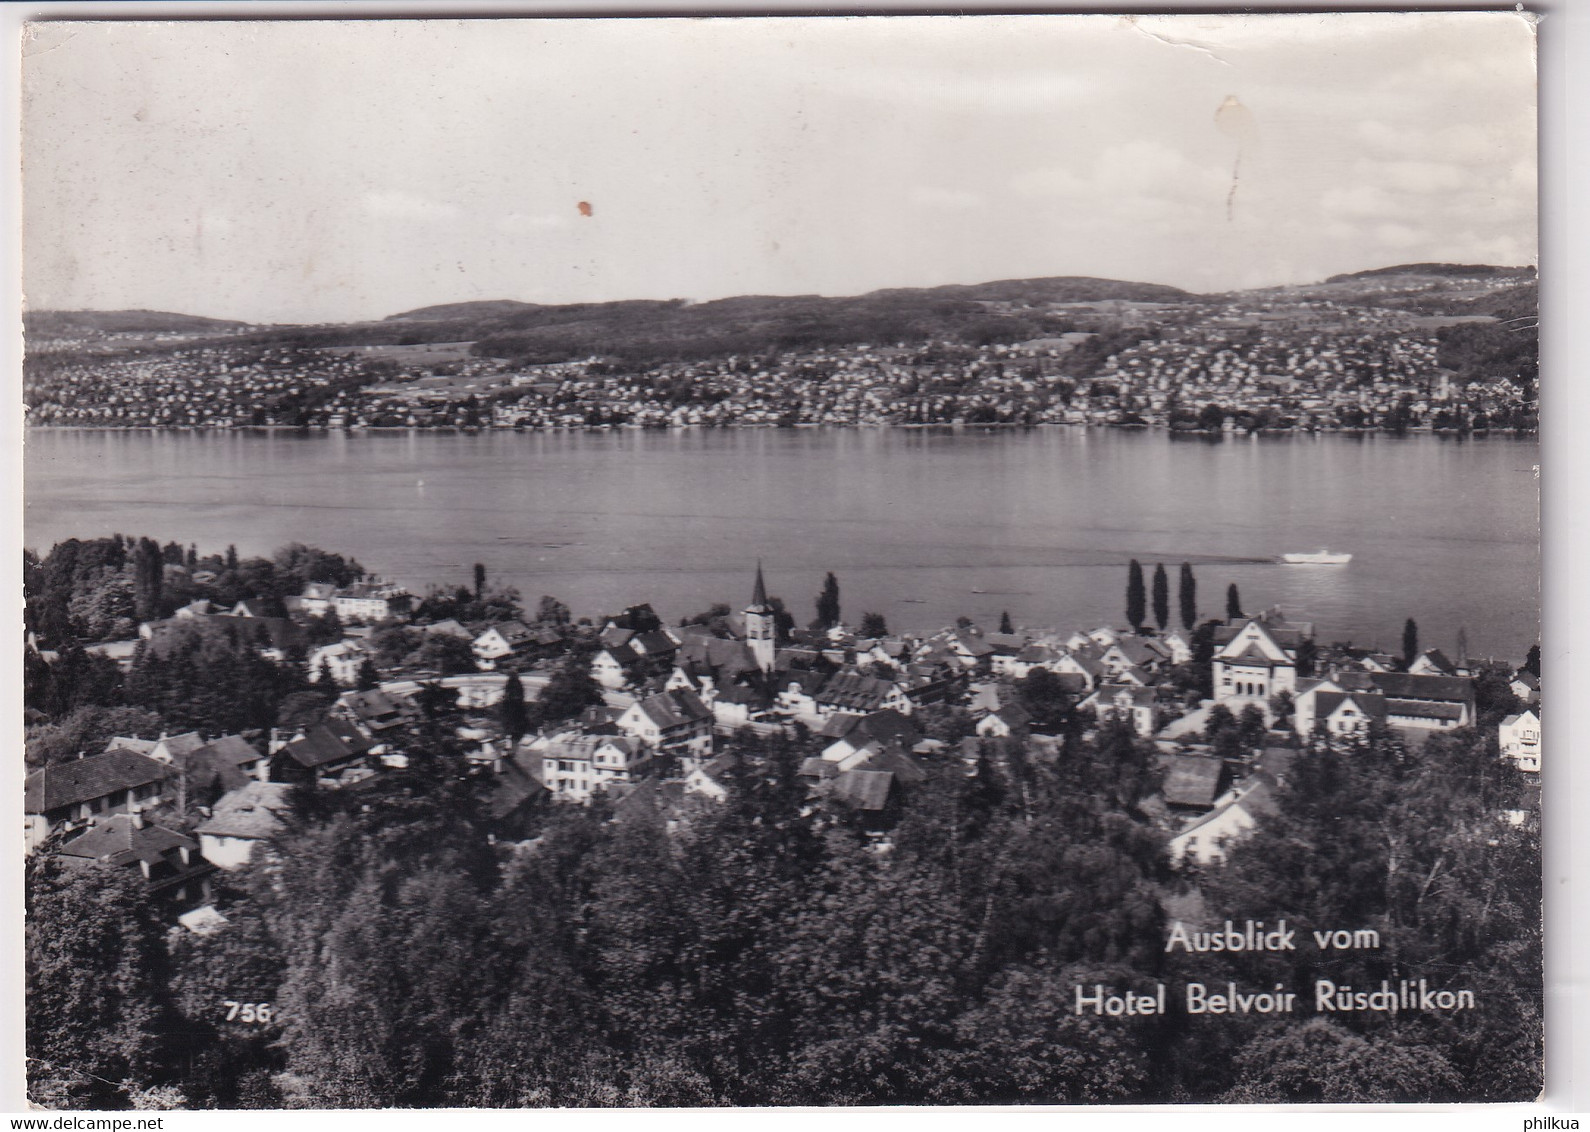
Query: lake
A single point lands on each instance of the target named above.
(920, 525)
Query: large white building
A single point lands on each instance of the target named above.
(1256, 658)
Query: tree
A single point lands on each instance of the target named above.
(480, 581)
(828, 604)
(1135, 597)
(95, 967)
(511, 711)
(1233, 603)
(1463, 649)
(231, 558)
(445, 654)
(1187, 593)
(367, 679)
(1410, 642)
(1161, 597)
(86, 731)
(302, 709)
(551, 611)
(1004, 623)
(148, 573)
(874, 625)
(570, 690)
(1531, 661)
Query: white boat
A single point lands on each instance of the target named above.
(1323, 558)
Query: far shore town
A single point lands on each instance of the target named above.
(1441, 348)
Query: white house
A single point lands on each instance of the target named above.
(241, 820)
(674, 722)
(499, 641)
(1234, 816)
(1003, 723)
(609, 665)
(1128, 703)
(575, 766)
(341, 661)
(370, 601)
(1519, 737)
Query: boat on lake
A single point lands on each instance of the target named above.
(1323, 558)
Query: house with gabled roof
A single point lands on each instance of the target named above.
(674, 723)
(68, 795)
(1129, 703)
(340, 661)
(373, 712)
(1084, 662)
(851, 691)
(500, 641)
(1426, 703)
(326, 753)
(1432, 662)
(241, 820)
(575, 765)
(1131, 652)
(1236, 814)
(172, 868)
(711, 778)
(1011, 719)
(610, 666)
(866, 790)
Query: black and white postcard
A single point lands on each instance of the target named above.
(781, 561)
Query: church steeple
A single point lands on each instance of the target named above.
(760, 627)
(759, 594)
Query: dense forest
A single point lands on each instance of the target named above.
(771, 948)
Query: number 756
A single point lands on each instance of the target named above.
(252, 1013)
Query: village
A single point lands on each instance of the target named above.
(634, 713)
(1241, 363)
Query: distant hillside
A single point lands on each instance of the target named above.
(481, 309)
(1463, 270)
(649, 330)
(57, 324)
(646, 331)
(1058, 289)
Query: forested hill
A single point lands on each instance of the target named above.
(61, 324)
(648, 331)
(1449, 270)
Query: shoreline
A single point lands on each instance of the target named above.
(994, 426)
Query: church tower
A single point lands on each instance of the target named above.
(760, 630)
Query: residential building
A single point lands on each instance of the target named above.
(241, 821)
(1519, 739)
(674, 723)
(69, 795)
(172, 868)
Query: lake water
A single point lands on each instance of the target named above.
(921, 526)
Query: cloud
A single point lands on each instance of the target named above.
(1141, 179)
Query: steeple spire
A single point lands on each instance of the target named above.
(759, 594)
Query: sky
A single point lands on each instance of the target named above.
(333, 171)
